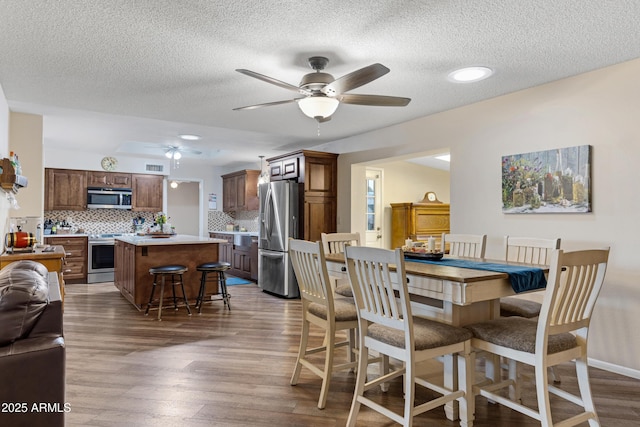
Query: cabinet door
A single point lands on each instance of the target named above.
(319, 217)
(320, 177)
(229, 193)
(65, 189)
(225, 252)
(147, 193)
(108, 179)
(241, 185)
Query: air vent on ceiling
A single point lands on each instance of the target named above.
(154, 168)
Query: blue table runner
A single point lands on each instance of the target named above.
(522, 278)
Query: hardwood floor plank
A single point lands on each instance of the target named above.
(232, 368)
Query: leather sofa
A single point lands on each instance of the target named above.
(32, 350)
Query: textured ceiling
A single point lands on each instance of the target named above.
(115, 76)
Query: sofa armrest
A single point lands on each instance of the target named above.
(50, 321)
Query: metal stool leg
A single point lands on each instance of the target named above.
(173, 291)
(223, 289)
(161, 296)
(153, 289)
(184, 295)
(201, 292)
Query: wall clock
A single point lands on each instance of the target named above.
(430, 197)
(109, 163)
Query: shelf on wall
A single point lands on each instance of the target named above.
(9, 180)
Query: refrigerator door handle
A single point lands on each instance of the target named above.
(267, 212)
(272, 255)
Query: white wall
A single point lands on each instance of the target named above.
(4, 152)
(25, 139)
(599, 108)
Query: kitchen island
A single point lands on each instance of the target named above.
(135, 255)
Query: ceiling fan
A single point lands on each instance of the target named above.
(175, 152)
(322, 93)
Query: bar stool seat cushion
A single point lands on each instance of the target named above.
(214, 266)
(168, 269)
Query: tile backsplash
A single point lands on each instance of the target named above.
(218, 220)
(98, 221)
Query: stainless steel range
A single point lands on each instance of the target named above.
(101, 257)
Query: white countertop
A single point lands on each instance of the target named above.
(178, 239)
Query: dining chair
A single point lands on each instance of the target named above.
(559, 335)
(465, 245)
(388, 327)
(334, 243)
(528, 250)
(321, 309)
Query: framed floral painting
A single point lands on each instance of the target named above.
(551, 181)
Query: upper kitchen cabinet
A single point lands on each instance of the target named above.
(319, 173)
(65, 189)
(240, 191)
(108, 179)
(147, 192)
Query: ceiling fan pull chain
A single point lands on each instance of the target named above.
(318, 128)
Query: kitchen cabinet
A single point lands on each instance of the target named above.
(319, 173)
(418, 221)
(124, 276)
(65, 189)
(74, 269)
(240, 191)
(108, 179)
(225, 250)
(242, 255)
(147, 192)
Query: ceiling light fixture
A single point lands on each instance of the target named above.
(189, 137)
(318, 106)
(173, 153)
(263, 178)
(470, 74)
(174, 184)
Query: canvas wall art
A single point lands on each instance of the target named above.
(551, 181)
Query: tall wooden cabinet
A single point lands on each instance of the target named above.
(319, 173)
(418, 221)
(240, 191)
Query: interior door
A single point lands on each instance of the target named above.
(374, 211)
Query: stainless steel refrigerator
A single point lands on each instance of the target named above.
(280, 218)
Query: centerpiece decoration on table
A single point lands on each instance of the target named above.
(418, 250)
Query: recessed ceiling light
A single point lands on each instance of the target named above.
(444, 157)
(188, 137)
(470, 74)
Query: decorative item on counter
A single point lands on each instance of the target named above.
(20, 241)
(431, 244)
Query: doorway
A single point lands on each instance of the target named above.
(184, 206)
(374, 212)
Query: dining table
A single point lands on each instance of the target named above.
(448, 292)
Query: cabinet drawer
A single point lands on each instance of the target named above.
(224, 236)
(74, 269)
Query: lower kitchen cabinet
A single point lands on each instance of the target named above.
(243, 258)
(74, 267)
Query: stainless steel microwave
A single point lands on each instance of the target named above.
(108, 198)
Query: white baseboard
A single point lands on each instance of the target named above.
(616, 369)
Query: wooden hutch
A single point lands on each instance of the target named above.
(418, 221)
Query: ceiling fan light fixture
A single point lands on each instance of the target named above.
(177, 155)
(318, 106)
(470, 74)
(169, 154)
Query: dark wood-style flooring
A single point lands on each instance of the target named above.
(233, 368)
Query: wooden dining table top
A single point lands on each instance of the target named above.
(450, 273)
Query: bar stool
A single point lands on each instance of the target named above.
(213, 267)
(163, 271)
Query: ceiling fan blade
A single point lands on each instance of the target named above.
(375, 100)
(355, 79)
(267, 104)
(273, 81)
